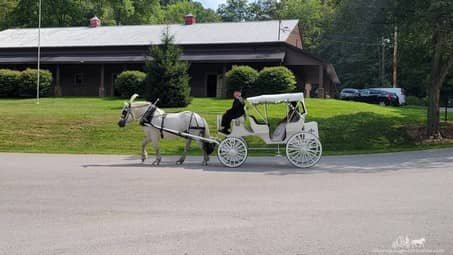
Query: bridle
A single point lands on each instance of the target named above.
(126, 112)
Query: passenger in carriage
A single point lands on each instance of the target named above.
(280, 131)
(236, 111)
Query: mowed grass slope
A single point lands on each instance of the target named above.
(88, 125)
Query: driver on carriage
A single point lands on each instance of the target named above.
(236, 111)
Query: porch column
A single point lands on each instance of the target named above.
(57, 89)
(307, 90)
(111, 80)
(101, 83)
(321, 93)
(221, 91)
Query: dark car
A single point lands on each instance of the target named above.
(348, 93)
(373, 96)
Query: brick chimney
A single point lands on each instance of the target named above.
(189, 19)
(95, 22)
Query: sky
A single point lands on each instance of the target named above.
(213, 4)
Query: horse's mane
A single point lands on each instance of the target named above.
(145, 103)
(141, 104)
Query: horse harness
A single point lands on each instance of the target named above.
(149, 114)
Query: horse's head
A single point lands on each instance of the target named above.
(126, 112)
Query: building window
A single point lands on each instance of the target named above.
(78, 80)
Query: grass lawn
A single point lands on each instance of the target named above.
(88, 125)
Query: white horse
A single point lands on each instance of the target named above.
(186, 121)
(418, 243)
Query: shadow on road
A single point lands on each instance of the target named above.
(429, 159)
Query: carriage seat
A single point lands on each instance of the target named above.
(238, 127)
(258, 122)
(258, 127)
(279, 132)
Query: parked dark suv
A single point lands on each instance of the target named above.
(374, 96)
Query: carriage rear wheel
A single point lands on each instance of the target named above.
(232, 152)
(303, 150)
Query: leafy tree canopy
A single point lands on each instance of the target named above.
(175, 12)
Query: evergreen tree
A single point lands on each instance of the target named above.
(167, 76)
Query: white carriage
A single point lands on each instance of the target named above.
(303, 148)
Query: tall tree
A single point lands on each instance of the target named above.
(311, 15)
(56, 13)
(147, 12)
(441, 13)
(167, 76)
(432, 21)
(235, 10)
(175, 12)
(352, 41)
(6, 8)
(264, 9)
(123, 10)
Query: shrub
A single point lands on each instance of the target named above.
(9, 82)
(167, 76)
(128, 83)
(28, 82)
(413, 100)
(277, 79)
(243, 78)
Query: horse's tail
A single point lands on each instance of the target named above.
(206, 133)
(207, 146)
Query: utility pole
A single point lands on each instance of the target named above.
(382, 61)
(395, 56)
(384, 41)
(39, 52)
(378, 44)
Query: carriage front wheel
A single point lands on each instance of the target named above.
(232, 152)
(303, 150)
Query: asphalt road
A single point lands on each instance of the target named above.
(87, 204)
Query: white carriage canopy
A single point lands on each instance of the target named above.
(276, 98)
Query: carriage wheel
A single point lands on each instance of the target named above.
(232, 152)
(303, 150)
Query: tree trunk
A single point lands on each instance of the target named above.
(433, 127)
(441, 63)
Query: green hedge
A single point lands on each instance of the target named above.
(243, 78)
(28, 82)
(9, 82)
(23, 83)
(128, 83)
(413, 100)
(277, 79)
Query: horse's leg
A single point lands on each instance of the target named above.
(156, 145)
(183, 156)
(205, 157)
(205, 154)
(156, 162)
(145, 142)
(144, 153)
